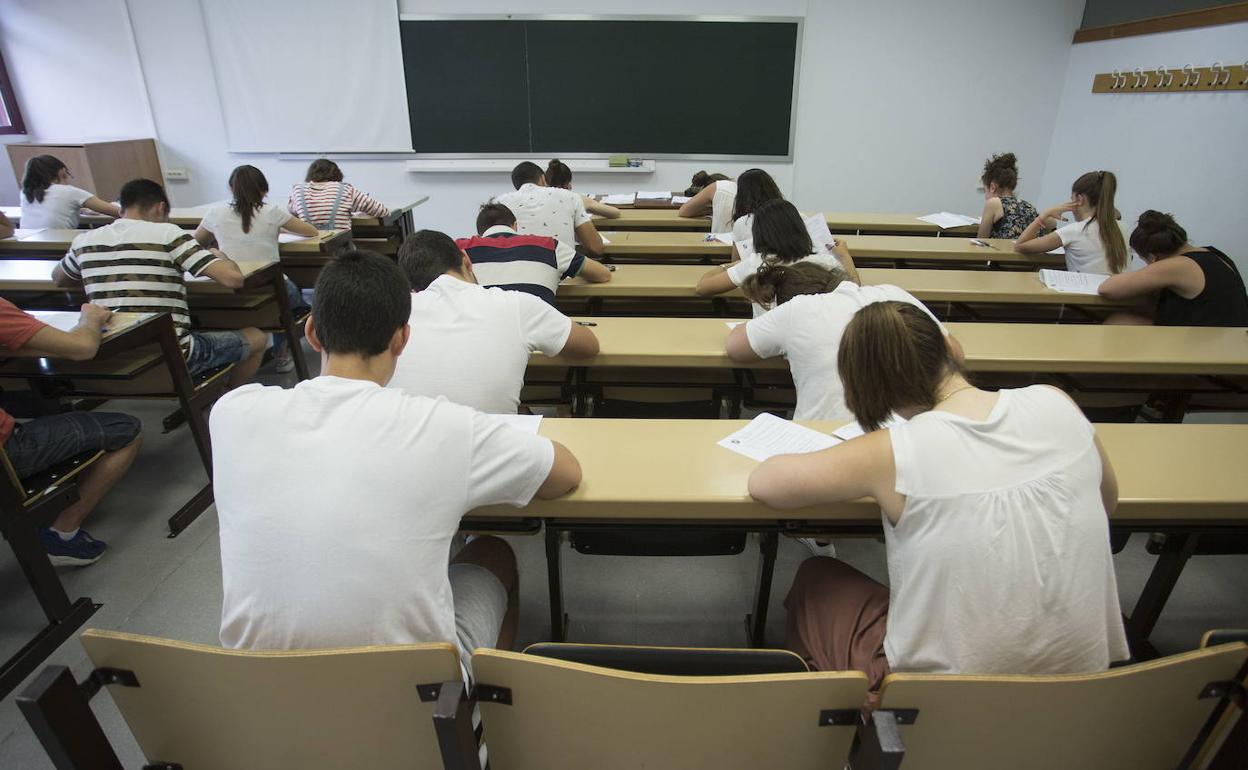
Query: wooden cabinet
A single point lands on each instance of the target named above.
(100, 167)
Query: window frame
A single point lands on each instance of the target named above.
(8, 98)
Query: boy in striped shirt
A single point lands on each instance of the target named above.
(136, 265)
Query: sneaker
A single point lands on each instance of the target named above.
(285, 363)
(817, 548)
(79, 551)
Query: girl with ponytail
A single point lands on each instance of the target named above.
(1094, 243)
(985, 497)
(1194, 285)
(50, 201)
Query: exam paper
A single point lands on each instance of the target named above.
(64, 320)
(855, 429)
(733, 324)
(945, 220)
(820, 235)
(649, 195)
(767, 436)
(680, 200)
(624, 199)
(291, 237)
(1072, 283)
(529, 423)
(721, 237)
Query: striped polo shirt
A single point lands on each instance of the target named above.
(533, 264)
(135, 266)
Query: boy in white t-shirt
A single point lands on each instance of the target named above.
(338, 498)
(550, 211)
(472, 344)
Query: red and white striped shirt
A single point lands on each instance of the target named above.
(319, 198)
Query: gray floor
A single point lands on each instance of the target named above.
(151, 584)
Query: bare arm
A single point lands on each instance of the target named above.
(594, 271)
(204, 236)
(988, 217)
(101, 206)
(590, 240)
(862, 467)
(61, 278)
(1181, 274)
(1031, 242)
(715, 281)
(581, 343)
(599, 209)
(564, 476)
(299, 227)
(700, 204)
(224, 271)
(738, 346)
(6, 226)
(78, 344)
(841, 250)
(1109, 481)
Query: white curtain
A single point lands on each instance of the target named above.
(309, 75)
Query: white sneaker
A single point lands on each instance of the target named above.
(817, 548)
(285, 363)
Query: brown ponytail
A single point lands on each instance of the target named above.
(775, 284)
(249, 187)
(1099, 188)
(893, 356)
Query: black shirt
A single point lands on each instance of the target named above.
(1223, 302)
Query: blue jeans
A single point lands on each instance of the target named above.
(41, 443)
(212, 349)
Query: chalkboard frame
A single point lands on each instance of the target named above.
(799, 21)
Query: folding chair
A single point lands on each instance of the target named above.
(27, 505)
(1225, 744)
(1147, 716)
(674, 661)
(547, 714)
(204, 708)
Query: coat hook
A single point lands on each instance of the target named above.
(1244, 82)
(1164, 77)
(1141, 79)
(1226, 76)
(1215, 73)
(1188, 73)
(1114, 75)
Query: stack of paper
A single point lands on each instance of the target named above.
(945, 220)
(820, 235)
(622, 199)
(646, 195)
(767, 436)
(1072, 283)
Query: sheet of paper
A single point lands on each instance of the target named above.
(291, 237)
(622, 199)
(854, 429)
(65, 320)
(680, 200)
(529, 423)
(1072, 283)
(22, 233)
(605, 242)
(721, 237)
(1060, 250)
(733, 324)
(651, 195)
(945, 220)
(767, 436)
(820, 235)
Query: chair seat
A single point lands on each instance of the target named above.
(35, 485)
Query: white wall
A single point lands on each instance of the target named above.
(1180, 153)
(889, 108)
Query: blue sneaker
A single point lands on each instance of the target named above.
(78, 551)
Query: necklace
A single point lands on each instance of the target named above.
(951, 394)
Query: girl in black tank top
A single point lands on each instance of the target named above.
(1194, 286)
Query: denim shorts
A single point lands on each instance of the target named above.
(41, 443)
(213, 349)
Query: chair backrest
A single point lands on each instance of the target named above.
(213, 709)
(570, 715)
(1139, 717)
(674, 661)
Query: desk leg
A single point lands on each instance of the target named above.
(768, 542)
(286, 316)
(1161, 582)
(191, 510)
(554, 579)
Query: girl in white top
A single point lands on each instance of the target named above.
(559, 175)
(716, 198)
(779, 238)
(1094, 243)
(247, 229)
(50, 202)
(994, 508)
(754, 188)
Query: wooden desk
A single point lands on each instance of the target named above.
(854, 223)
(664, 247)
(52, 243)
(114, 337)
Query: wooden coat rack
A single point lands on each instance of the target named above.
(1172, 80)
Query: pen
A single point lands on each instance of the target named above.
(586, 323)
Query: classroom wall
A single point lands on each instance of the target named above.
(1180, 153)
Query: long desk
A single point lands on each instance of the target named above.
(42, 244)
(900, 250)
(854, 223)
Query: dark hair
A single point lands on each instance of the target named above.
(1001, 170)
(525, 172)
(1157, 235)
(779, 232)
(558, 175)
(754, 188)
(774, 284)
(892, 356)
(41, 173)
(323, 170)
(1099, 188)
(494, 214)
(701, 180)
(361, 299)
(141, 194)
(427, 255)
(249, 187)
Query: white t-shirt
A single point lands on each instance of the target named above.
(1000, 563)
(337, 502)
(721, 206)
(1082, 242)
(58, 210)
(743, 229)
(807, 330)
(549, 211)
(259, 243)
(472, 345)
(750, 262)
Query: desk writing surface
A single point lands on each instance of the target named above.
(664, 219)
(66, 320)
(672, 469)
(36, 275)
(57, 241)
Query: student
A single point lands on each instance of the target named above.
(701, 179)
(156, 254)
(36, 445)
(779, 237)
(247, 228)
(754, 188)
(471, 344)
(1004, 216)
(994, 507)
(351, 548)
(717, 198)
(327, 202)
(6, 226)
(50, 202)
(1194, 285)
(813, 305)
(1093, 243)
(534, 264)
(559, 175)
(544, 210)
